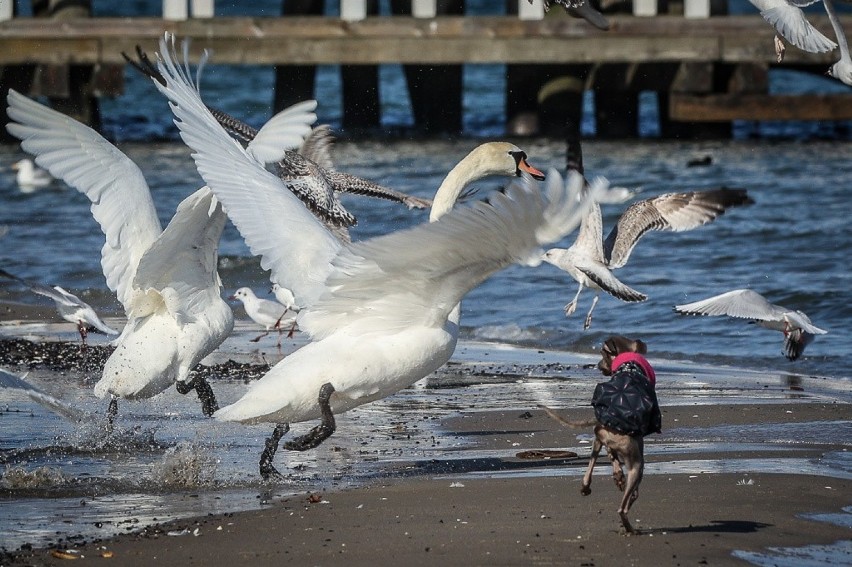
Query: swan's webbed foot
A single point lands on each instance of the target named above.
(267, 469)
(209, 406)
(321, 432)
(204, 391)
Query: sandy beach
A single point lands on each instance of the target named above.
(521, 513)
(511, 494)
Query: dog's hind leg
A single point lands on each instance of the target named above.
(617, 473)
(586, 488)
(635, 462)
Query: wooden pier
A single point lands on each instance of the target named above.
(710, 70)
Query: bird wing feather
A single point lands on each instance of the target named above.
(121, 201)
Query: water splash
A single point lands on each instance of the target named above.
(186, 465)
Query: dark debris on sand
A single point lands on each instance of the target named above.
(72, 356)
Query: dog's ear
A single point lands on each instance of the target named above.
(640, 347)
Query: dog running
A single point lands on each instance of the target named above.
(626, 410)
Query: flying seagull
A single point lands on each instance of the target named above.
(747, 304)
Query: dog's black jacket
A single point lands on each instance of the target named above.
(628, 402)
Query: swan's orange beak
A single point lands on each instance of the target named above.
(523, 165)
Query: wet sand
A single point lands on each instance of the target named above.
(695, 506)
(511, 518)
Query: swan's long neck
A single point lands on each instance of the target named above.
(473, 167)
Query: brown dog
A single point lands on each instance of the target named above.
(623, 435)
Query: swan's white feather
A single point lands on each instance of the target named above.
(121, 201)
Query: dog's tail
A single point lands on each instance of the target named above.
(566, 422)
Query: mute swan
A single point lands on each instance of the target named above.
(70, 307)
(382, 313)
(167, 280)
(268, 314)
(590, 260)
(745, 303)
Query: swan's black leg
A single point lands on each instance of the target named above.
(204, 391)
(112, 411)
(321, 432)
(205, 396)
(267, 470)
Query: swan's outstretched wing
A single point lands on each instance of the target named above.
(790, 22)
(121, 201)
(672, 211)
(416, 276)
(276, 226)
(180, 268)
(286, 130)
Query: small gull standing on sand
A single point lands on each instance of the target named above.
(268, 314)
(382, 313)
(70, 307)
(747, 304)
(590, 260)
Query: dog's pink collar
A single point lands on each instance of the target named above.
(626, 357)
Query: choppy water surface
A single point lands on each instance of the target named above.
(791, 246)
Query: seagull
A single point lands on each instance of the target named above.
(30, 177)
(166, 280)
(789, 21)
(590, 260)
(70, 307)
(382, 313)
(309, 172)
(285, 297)
(841, 70)
(745, 303)
(580, 9)
(268, 314)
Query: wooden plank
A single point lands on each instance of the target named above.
(727, 107)
(441, 40)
